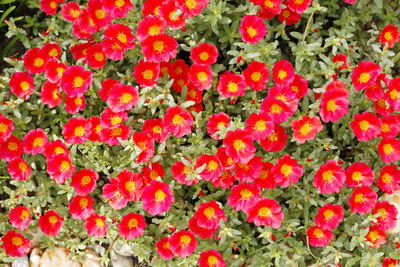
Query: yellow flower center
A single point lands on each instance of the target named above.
(74, 13)
(385, 128)
(305, 129)
(251, 32)
(327, 176)
(130, 186)
(388, 36)
(99, 222)
(264, 212)
(204, 56)
(53, 219)
(116, 132)
(79, 131)
(148, 74)
(394, 94)
(273, 137)
(86, 180)
(191, 4)
(153, 175)
(59, 150)
(246, 194)
(260, 125)
(78, 101)
(158, 46)
(65, 166)
(185, 240)
(132, 223)
(359, 198)
(212, 165)
(121, 37)
(16, 241)
(3, 127)
(38, 62)
(383, 212)
(387, 149)
(232, 87)
(282, 74)
(78, 81)
(126, 98)
(22, 166)
(268, 3)
(364, 77)
(286, 170)
(387, 178)
(157, 129)
(115, 120)
(24, 86)
(177, 119)
(212, 260)
(356, 176)
(119, 3)
(99, 56)
(364, 125)
(53, 4)
(12, 146)
(100, 14)
(239, 145)
(38, 142)
(373, 235)
(209, 212)
(24, 214)
(154, 30)
(83, 202)
(202, 76)
(160, 195)
(331, 105)
(328, 214)
(275, 108)
(256, 76)
(318, 233)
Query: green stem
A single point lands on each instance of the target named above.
(308, 26)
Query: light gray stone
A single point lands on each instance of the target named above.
(57, 257)
(34, 258)
(123, 249)
(20, 261)
(120, 261)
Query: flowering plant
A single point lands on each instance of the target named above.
(209, 132)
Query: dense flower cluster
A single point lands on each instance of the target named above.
(234, 163)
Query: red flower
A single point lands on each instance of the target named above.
(212, 169)
(231, 84)
(376, 237)
(146, 73)
(110, 135)
(98, 14)
(202, 232)
(122, 97)
(49, 6)
(35, 60)
(329, 216)
(283, 73)
(276, 141)
(365, 74)
(226, 161)
(152, 172)
(34, 141)
(194, 94)
(130, 185)
(162, 245)
(265, 212)
(334, 105)
(95, 129)
(172, 15)
(53, 50)
(84, 181)
(50, 94)
(110, 118)
(20, 217)
(177, 121)
(270, 6)
(277, 108)
(359, 173)
(158, 48)
(157, 198)
(180, 172)
(215, 121)
(119, 8)
(211, 258)
(18, 169)
(389, 150)
(252, 29)
(239, 146)
(21, 84)
(95, 56)
(306, 128)
(113, 193)
(204, 53)
(329, 178)
(145, 145)
(366, 126)
(259, 125)
(74, 104)
(387, 215)
(318, 237)
(78, 51)
(389, 179)
(389, 36)
(15, 244)
(256, 75)
(112, 49)
(150, 26)
(298, 6)
(96, 225)
(6, 127)
(390, 127)
(389, 262)
(76, 130)
(11, 148)
(289, 16)
(201, 76)
(60, 168)
(249, 171)
(53, 70)
(382, 107)
(266, 178)
(340, 58)
(70, 11)
(183, 243)
(50, 223)
(362, 200)
(81, 207)
(55, 148)
(243, 196)
(131, 226)
(154, 128)
(75, 80)
(225, 181)
(392, 95)
(375, 91)
(191, 7)
(209, 214)
(287, 171)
